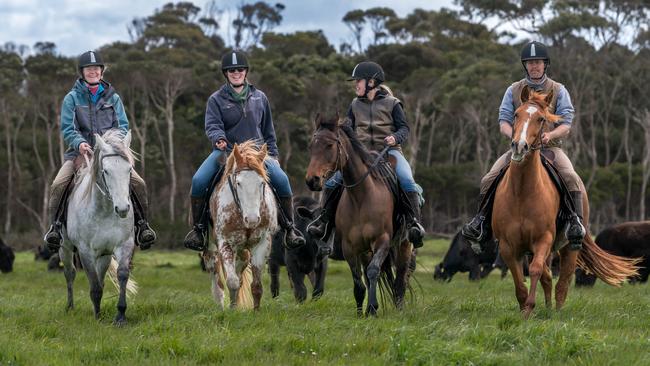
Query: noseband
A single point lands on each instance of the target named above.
(105, 191)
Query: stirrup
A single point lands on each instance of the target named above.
(53, 238)
(416, 235)
(190, 242)
(145, 236)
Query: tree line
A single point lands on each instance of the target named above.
(450, 67)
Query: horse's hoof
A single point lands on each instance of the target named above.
(120, 321)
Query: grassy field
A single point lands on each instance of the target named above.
(173, 320)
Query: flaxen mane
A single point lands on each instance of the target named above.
(252, 158)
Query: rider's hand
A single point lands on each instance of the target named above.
(84, 148)
(390, 140)
(546, 137)
(221, 144)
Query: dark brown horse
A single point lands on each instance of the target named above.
(364, 217)
(525, 211)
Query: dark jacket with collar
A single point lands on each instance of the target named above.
(235, 122)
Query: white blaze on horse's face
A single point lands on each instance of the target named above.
(117, 176)
(250, 188)
(520, 145)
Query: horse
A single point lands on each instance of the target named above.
(99, 225)
(525, 210)
(244, 212)
(364, 217)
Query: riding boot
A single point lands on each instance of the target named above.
(575, 231)
(144, 234)
(293, 238)
(58, 194)
(319, 227)
(195, 239)
(416, 231)
(477, 231)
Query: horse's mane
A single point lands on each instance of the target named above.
(253, 159)
(539, 100)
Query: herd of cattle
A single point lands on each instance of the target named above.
(630, 239)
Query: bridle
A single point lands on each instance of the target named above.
(105, 190)
(338, 165)
(232, 177)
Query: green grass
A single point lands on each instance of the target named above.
(173, 320)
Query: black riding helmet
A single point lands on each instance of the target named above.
(233, 60)
(368, 70)
(89, 58)
(534, 50)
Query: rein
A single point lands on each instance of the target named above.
(105, 192)
(339, 165)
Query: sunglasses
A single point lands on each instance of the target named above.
(239, 69)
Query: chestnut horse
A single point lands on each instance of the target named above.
(364, 217)
(524, 216)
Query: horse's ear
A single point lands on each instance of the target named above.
(525, 94)
(127, 139)
(549, 97)
(237, 153)
(318, 120)
(100, 144)
(264, 150)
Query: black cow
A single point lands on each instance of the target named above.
(300, 262)
(461, 258)
(629, 239)
(6, 257)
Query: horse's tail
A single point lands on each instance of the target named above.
(610, 268)
(386, 281)
(131, 285)
(245, 293)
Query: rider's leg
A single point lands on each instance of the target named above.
(406, 181)
(329, 202)
(478, 231)
(145, 236)
(200, 195)
(53, 237)
(575, 231)
(280, 182)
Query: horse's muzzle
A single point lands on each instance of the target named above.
(519, 151)
(122, 211)
(251, 221)
(315, 183)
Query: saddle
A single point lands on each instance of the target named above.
(567, 206)
(403, 210)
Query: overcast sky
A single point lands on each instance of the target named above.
(76, 26)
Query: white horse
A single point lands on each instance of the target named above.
(100, 222)
(244, 212)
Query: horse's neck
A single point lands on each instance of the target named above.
(355, 171)
(527, 176)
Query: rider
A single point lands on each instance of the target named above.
(235, 113)
(92, 107)
(535, 59)
(379, 120)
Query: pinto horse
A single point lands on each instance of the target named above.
(524, 216)
(364, 217)
(244, 213)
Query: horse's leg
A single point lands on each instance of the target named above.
(547, 284)
(567, 268)
(516, 268)
(382, 247)
(258, 258)
(359, 287)
(535, 270)
(403, 269)
(299, 288)
(274, 272)
(319, 276)
(70, 273)
(215, 270)
(232, 279)
(123, 257)
(96, 290)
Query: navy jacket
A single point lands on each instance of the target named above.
(235, 122)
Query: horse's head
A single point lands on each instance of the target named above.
(112, 166)
(325, 152)
(248, 181)
(532, 119)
